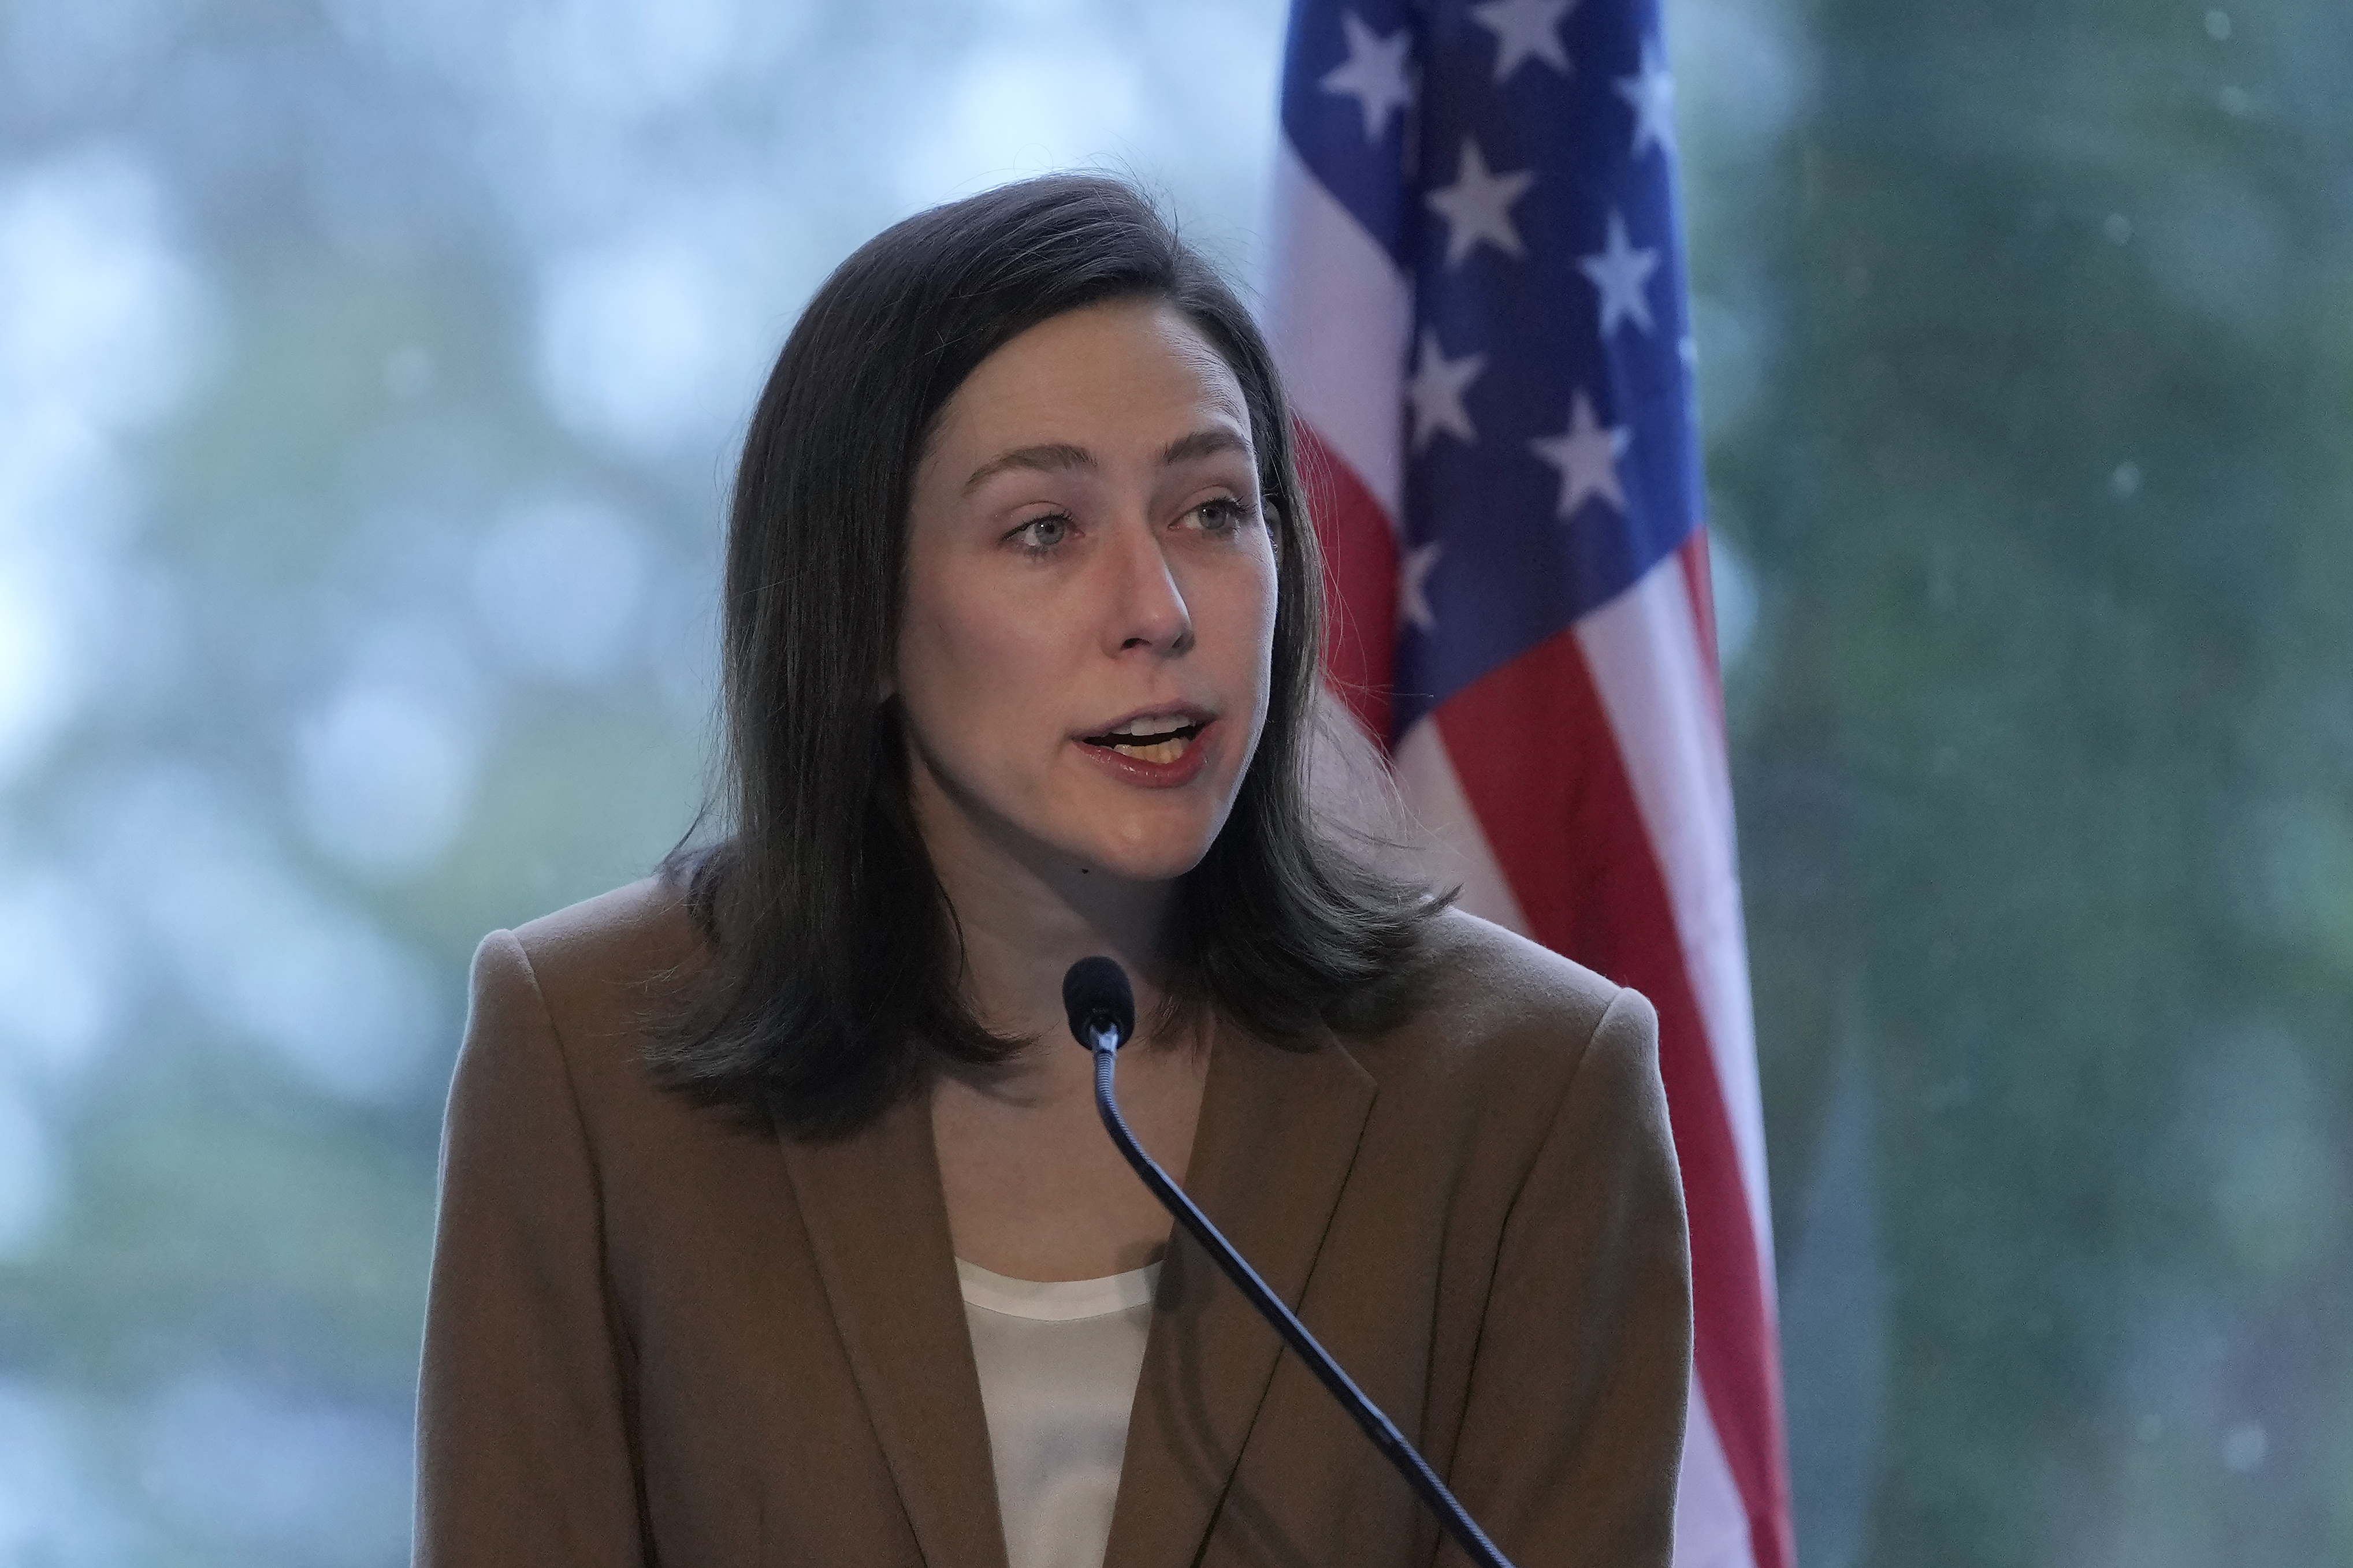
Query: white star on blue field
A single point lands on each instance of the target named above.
(1514, 158)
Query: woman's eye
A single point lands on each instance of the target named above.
(1040, 534)
(1223, 515)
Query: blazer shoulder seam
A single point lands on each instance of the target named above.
(530, 972)
(616, 1319)
(1567, 1088)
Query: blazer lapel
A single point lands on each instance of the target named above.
(880, 1228)
(1277, 1135)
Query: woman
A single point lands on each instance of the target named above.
(776, 1225)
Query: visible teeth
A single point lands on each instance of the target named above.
(1165, 751)
(1169, 737)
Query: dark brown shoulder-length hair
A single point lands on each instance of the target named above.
(833, 964)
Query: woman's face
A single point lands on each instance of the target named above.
(1085, 646)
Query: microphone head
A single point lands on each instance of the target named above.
(1097, 998)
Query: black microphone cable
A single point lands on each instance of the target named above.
(1101, 1007)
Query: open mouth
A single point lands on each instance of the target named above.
(1157, 739)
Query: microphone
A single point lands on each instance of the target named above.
(1100, 1008)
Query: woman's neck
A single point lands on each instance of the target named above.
(1032, 1187)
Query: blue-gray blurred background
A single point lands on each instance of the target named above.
(369, 376)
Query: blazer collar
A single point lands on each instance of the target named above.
(878, 1228)
(1278, 1133)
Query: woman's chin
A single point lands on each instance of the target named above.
(1155, 852)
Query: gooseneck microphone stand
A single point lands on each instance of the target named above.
(1101, 1010)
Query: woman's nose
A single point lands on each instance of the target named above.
(1147, 606)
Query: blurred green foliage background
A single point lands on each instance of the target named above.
(369, 373)
(2045, 761)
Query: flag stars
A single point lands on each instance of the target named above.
(1413, 586)
(1478, 206)
(1375, 74)
(1525, 30)
(1622, 273)
(1651, 96)
(1586, 455)
(1435, 392)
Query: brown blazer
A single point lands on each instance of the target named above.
(653, 1338)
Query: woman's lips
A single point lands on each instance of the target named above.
(1169, 760)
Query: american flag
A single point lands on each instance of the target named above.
(1478, 303)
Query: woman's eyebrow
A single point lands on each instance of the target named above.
(1048, 457)
(1053, 456)
(1202, 444)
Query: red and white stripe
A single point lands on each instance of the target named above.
(1620, 855)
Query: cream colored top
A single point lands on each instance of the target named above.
(1059, 1364)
